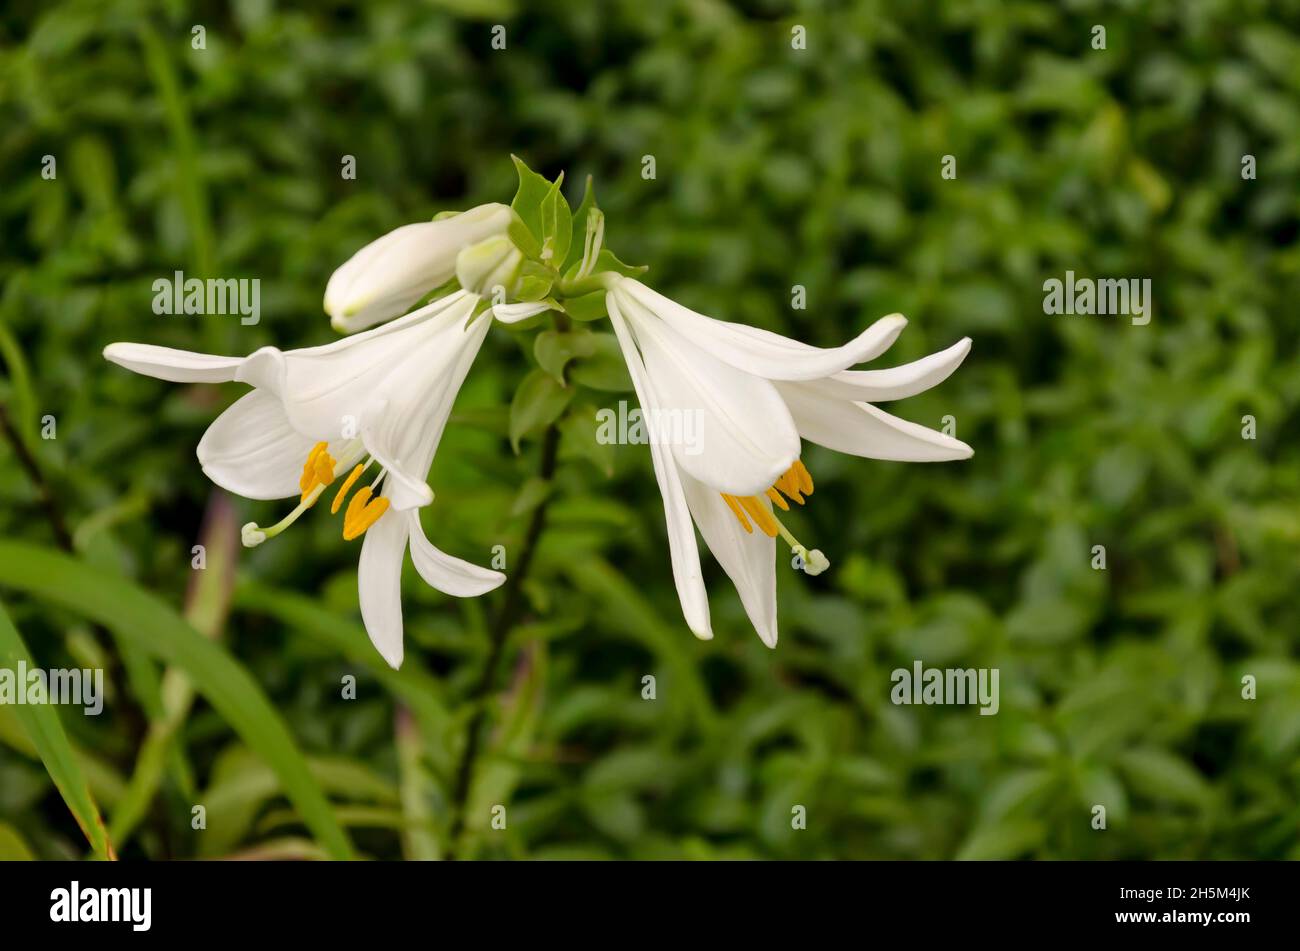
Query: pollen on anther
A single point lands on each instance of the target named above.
(346, 487)
(307, 479)
(761, 516)
(804, 476)
(362, 513)
(737, 511)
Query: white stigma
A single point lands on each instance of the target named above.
(814, 562)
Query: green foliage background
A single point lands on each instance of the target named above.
(775, 167)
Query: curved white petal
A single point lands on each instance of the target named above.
(729, 429)
(417, 398)
(379, 585)
(682, 547)
(177, 366)
(861, 429)
(748, 559)
(251, 450)
(335, 390)
(391, 273)
(894, 383)
(762, 352)
(514, 313)
(448, 574)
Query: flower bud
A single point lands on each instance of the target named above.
(492, 263)
(387, 276)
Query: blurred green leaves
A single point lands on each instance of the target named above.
(775, 167)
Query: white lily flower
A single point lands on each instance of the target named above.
(757, 395)
(379, 398)
(391, 273)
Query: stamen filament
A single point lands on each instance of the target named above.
(252, 535)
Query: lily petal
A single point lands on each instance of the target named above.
(251, 450)
(416, 401)
(749, 560)
(337, 389)
(861, 429)
(894, 383)
(682, 546)
(176, 366)
(762, 352)
(262, 368)
(379, 585)
(514, 313)
(450, 575)
(744, 436)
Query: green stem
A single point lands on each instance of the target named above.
(511, 606)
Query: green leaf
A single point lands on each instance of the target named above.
(523, 239)
(1161, 775)
(586, 308)
(537, 403)
(142, 619)
(607, 260)
(532, 493)
(555, 348)
(12, 846)
(45, 729)
(527, 203)
(1000, 841)
(604, 367)
(533, 287)
(578, 231)
(578, 439)
(557, 225)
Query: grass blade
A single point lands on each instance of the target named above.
(41, 721)
(141, 618)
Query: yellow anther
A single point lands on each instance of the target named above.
(346, 487)
(355, 506)
(795, 482)
(762, 516)
(309, 467)
(737, 511)
(318, 470)
(789, 485)
(321, 476)
(362, 513)
(805, 478)
(369, 515)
